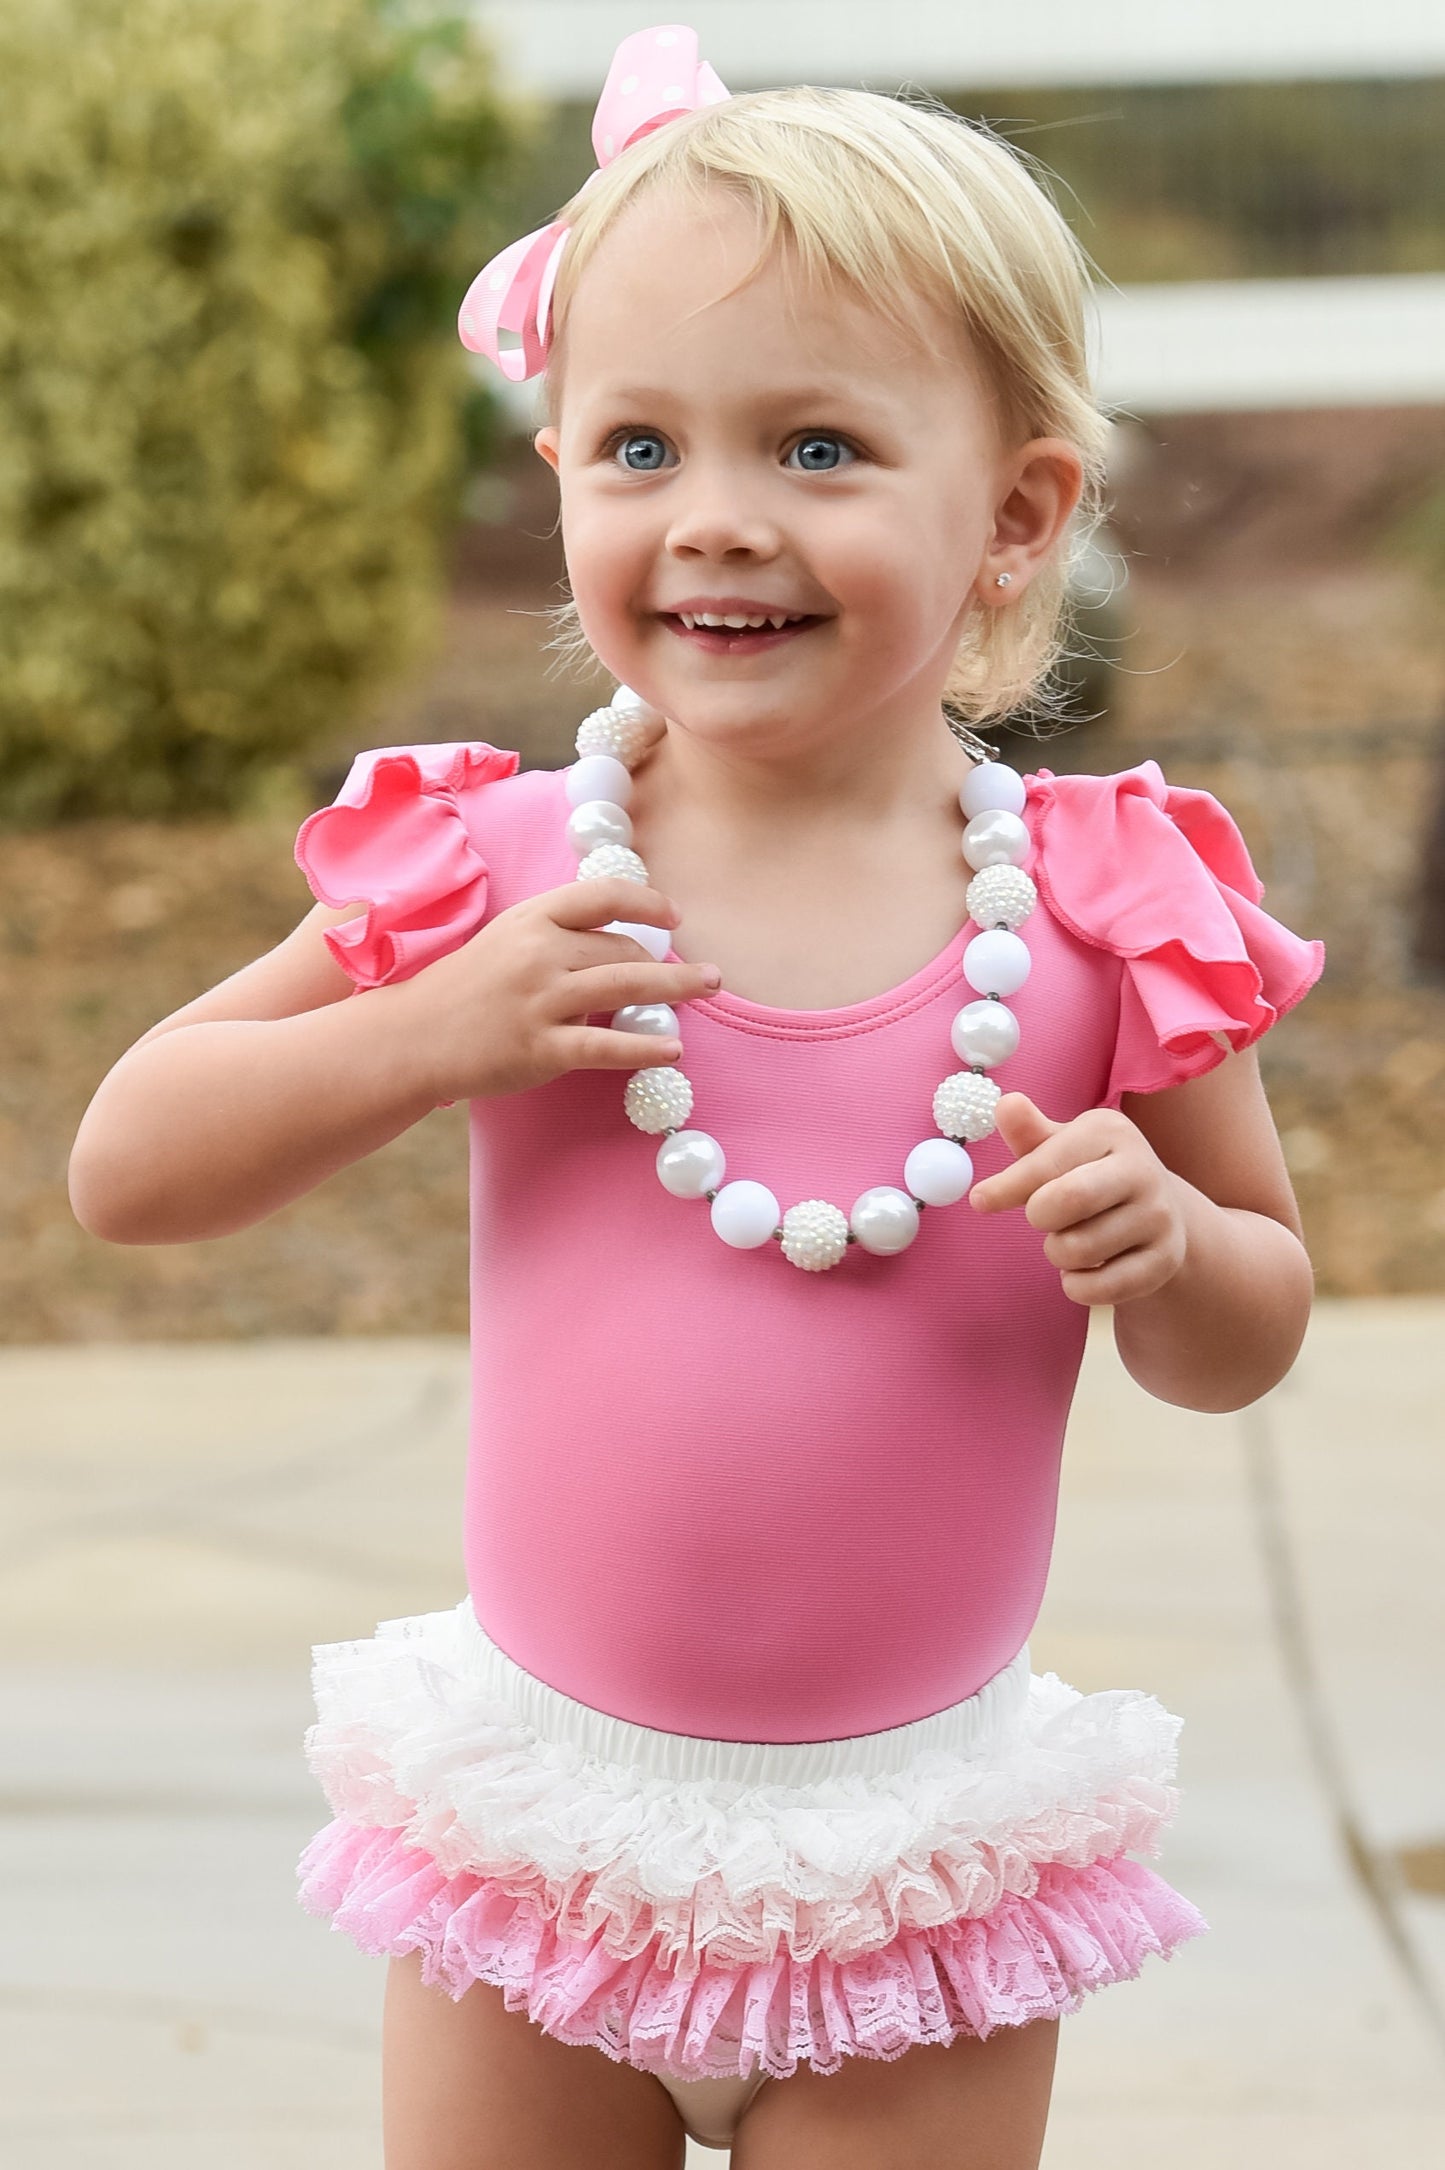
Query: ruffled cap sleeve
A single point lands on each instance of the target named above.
(1160, 874)
(396, 837)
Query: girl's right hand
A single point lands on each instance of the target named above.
(510, 1008)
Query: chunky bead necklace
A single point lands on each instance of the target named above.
(814, 1234)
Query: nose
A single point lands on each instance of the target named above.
(716, 515)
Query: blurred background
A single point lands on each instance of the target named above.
(258, 510)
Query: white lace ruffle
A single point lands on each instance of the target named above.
(413, 1736)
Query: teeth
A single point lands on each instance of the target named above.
(735, 622)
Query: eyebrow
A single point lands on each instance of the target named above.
(821, 394)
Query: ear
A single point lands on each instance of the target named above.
(548, 444)
(1043, 483)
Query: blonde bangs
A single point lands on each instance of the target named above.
(935, 222)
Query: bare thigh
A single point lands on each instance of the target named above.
(468, 2085)
(963, 2105)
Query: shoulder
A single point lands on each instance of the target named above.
(1160, 874)
(413, 833)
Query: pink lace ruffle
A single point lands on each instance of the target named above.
(395, 837)
(411, 1737)
(1160, 874)
(1031, 1957)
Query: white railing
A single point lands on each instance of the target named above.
(562, 47)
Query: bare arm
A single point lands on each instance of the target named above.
(1230, 1323)
(246, 1098)
(1176, 1209)
(261, 1088)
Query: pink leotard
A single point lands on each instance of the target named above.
(709, 1492)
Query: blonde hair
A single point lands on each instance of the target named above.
(900, 199)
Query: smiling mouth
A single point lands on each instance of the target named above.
(735, 631)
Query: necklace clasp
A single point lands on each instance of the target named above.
(977, 749)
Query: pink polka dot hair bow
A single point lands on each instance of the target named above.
(655, 77)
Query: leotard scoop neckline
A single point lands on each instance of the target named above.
(770, 1021)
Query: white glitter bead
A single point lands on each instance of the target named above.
(612, 859)
(628, 703)
(690, 1164)
(992, 786)
(984, 1033)
(1000, 896)
(884, 1220)
(963, 1105)
(598, 776)
(658, 1100)
(611, 730)
(598, 821)
(745, 1214)
(938, 1172)
(815, 1235)
(995, 838)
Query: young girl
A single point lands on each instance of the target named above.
(726, 1801)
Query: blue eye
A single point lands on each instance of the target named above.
(641, 451)
(819, 454)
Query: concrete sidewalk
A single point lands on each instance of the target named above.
(181, 1523)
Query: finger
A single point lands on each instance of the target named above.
(593, 903)
(1080, 1194)
(1091, 1243)
(596, 1047)
(611, 986)
(1015, 1185)
(585, 946)
(1130, 1274)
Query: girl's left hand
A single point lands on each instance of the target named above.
(1113, 1210)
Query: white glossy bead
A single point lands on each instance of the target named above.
(611, 731)
(628, 703)
(658, 1020)
(995, 838)
(938, 1172)
(655, 940)
(815, 1235)
(1000, 896)
(992, 786)
(963, 1106)
(996, 962)
(598, 776)
(658, 1099)
(745, 1215)
(597, 821)
(985, 1033)
(690, 1164)
(609, 860)
(884, 1220)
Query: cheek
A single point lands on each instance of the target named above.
(901, 578)
(604, 555)
(605, 571)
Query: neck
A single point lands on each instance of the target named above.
(878, 767)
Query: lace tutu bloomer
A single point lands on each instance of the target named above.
(707, 1909)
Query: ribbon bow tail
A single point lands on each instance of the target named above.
(511, 293)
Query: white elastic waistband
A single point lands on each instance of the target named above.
(961, 1730)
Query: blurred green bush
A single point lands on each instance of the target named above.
(235, 421)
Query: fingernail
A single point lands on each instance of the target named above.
(672, 1049)
(711, 977)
